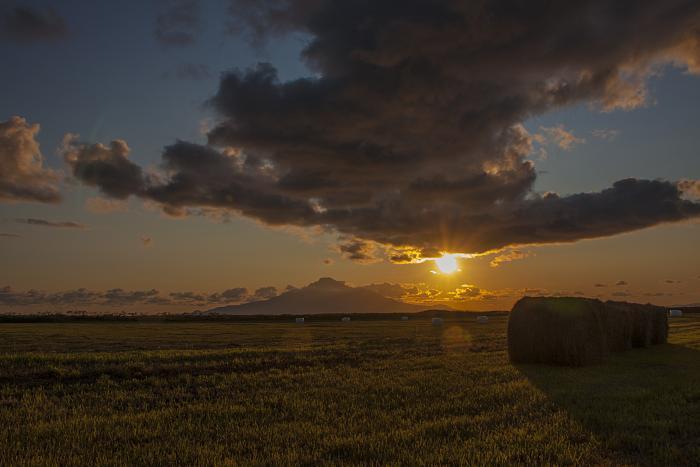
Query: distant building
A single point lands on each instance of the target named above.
(300, 320)
(675, 313)
(482, 319)
(438, 321)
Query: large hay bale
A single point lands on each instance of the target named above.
(580, 331)
(617, 324)
(563, 331)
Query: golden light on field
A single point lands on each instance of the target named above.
(447, 264)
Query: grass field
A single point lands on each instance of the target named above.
(360, 392)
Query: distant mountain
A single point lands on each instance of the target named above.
(326, 295)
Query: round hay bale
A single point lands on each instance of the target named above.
(618, 327)
(562, 331)
(641, 328)
(640, 322)
(659, 325)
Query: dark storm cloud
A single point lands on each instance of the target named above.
(410, 133)
(24, 24)
(23, 176)
(54, 224)
(177, 22)
(105, 167)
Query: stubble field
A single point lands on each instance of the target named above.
(368, 392)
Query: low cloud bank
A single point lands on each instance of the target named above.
(121, 298)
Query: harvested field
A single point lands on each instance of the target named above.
(359, 392)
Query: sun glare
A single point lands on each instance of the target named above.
(447, 264)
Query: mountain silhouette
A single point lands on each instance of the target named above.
(324, 296)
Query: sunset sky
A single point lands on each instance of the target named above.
(164, 156)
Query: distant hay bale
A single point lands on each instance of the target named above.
(649, 323)
(641, 323)
(345, 319)
(300, 320)
(659, 324)
(482, 319)
(675, 313)
(438, 321)
(404, 318)
(580, 331)
(617, 326)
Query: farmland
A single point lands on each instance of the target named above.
(374, 391)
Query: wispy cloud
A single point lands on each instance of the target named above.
(193, 71)
(508, 256)
(177, 22)
(54, 224)
(99, 205)
(559, 136)
(25, 24)
(607, 134)
(358, 250)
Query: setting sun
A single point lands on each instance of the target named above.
(447, 264)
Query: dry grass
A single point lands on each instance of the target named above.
(360, 392)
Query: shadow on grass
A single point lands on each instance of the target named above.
(643, 406)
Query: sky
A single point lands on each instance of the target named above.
(163, 156)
